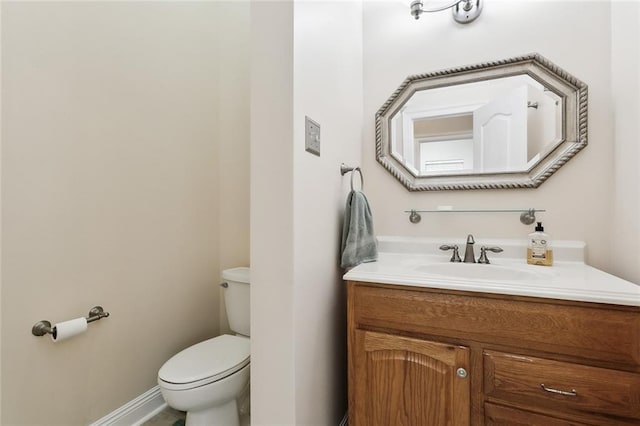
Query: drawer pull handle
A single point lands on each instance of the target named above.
(559, 392)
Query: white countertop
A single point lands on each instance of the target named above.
(419, 263)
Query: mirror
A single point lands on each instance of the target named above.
(504, 124)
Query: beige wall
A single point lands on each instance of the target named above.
(233, 137)
(394, 47)
(328, 89)
(115, 190)
(306, 61)
(625, 66)
(272, 328)
(1, 217)
(578, 198)
(113, 179)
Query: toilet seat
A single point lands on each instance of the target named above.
(205, 362)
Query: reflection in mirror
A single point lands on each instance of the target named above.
(499, 125)
(505, 124)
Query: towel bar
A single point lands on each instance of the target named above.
(344, 169)
(527, 216)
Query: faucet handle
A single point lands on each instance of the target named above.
(483, 253)
(455, 257)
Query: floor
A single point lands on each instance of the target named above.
(171, 417)
(167, 417)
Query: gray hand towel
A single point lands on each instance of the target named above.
(359, 242)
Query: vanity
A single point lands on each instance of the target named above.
(437, 343)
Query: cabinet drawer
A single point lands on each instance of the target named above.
(561, 386)
(587, 331)
(497, 415)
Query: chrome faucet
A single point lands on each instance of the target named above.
(469, 255)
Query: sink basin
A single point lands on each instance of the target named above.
(478, 271)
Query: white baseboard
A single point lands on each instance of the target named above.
(135, 412)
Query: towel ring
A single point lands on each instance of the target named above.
(353, 172)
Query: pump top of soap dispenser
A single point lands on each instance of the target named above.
(539, 227)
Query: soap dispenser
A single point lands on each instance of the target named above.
(539, 250)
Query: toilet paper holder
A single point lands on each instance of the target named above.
(44, 327)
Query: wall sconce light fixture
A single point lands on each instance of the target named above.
(464, 11)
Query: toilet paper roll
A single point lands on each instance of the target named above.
(67, 329)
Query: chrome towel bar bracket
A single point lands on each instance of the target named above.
(344, 169)
(44, 327)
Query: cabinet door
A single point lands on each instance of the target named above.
(405, 381)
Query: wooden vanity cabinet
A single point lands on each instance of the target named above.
(428, 357)
(406, 381)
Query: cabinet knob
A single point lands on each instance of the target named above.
(461, 372)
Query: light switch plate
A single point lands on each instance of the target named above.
(311, 136)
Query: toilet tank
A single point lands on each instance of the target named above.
(236, 298)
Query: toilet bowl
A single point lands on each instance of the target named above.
(206, 379)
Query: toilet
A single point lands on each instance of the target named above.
(207, 379)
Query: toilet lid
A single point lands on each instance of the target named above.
(208, 361)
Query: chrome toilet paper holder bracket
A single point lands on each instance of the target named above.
(44, 327)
